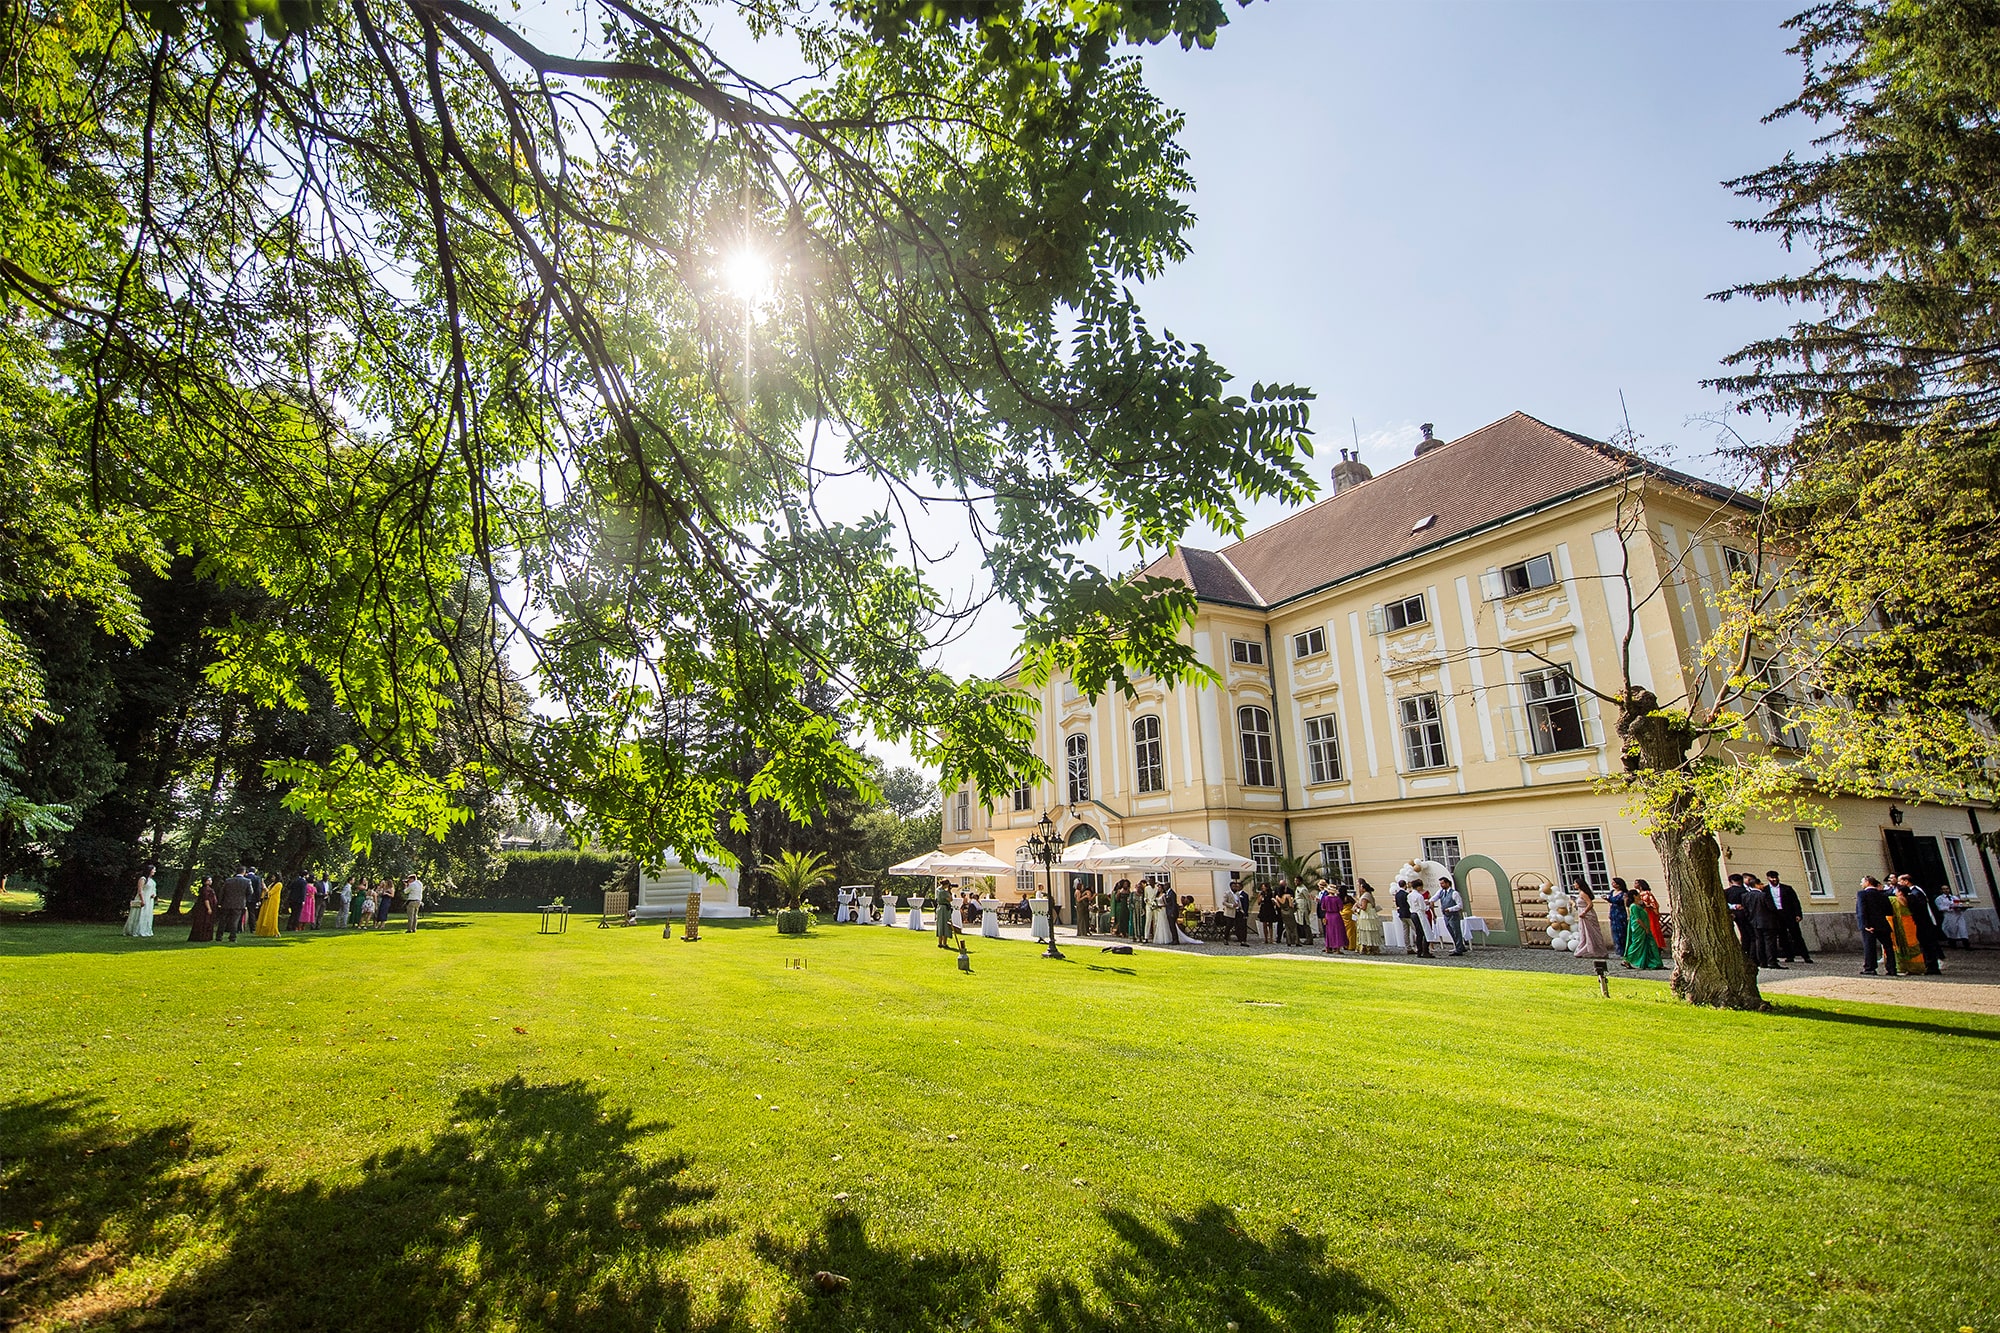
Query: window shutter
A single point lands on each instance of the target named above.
(1491, 586)
(1377, 622)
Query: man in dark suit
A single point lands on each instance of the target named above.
(1874, 916)
(1242, 921)
(1930, 932)
(1791, 912)
(1763, 920)
(1739, 917)
(232, 902)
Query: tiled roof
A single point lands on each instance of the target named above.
(1499, 470)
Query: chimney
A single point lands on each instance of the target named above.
(1350, 471)
(1429, 442)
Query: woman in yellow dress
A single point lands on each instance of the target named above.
(267, 915)
(1347, 920)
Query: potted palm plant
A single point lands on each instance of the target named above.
(796, 874)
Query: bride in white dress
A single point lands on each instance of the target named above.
(1164, 904)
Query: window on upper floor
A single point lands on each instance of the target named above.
(1774, 706)
(1249, 652)
(1398, 615)
(1736, 562)
(1513, 580)
(1259, 764)
(1312, 643)
(1423, 732)
(1322, 750)
(1077, 750)
(1555, 721)
(963, 814)
(1024, 797)
(1148, 762)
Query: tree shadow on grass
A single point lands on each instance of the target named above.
(531, 1210)
(1887, 1021)
(1203, 1271)
(1192, 1272)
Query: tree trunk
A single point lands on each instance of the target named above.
(1709, 966)
(193, 857)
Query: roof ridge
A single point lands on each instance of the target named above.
(1254, 590)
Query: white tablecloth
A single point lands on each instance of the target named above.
(989, 918)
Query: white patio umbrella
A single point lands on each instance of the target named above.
(971, 861)
(1166, 851)
(916, 865)
(1074, 857)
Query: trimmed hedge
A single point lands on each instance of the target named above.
(529, 879)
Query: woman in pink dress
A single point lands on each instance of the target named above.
(1330, 921)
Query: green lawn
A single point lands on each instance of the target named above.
(482, 1128)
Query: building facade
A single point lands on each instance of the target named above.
(1405, 672)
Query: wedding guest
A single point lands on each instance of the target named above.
(1930, 934)
(1642, 946)
(1367, 921)
(1875, 918)
(1763, 921)
(1951, 908)
(145, 893)
(1345, 898)
(232, 903)
(1409, 902)
(1903, 930)
(1452, 903)
(201, 924)
(1615, 906)
(413, 898)
(1302, 910)
(1332, 923)
(1791, 916)
(1591, 943)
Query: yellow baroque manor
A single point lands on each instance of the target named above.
(1400, 667)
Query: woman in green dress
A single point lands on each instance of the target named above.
(1642, 951)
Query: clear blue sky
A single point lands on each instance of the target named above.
(1447, 212)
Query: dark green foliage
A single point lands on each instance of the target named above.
(533, 878)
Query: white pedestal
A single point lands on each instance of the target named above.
(989, 918)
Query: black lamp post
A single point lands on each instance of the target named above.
(1045, 845)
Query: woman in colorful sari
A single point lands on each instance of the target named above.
(1332, 923)
(1652, 906)
(201, 928)
(309, 907)
(1642, 945)
(267, 915)
(1909, 948)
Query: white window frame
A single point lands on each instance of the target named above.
(1024, 798)
(1149, 756)
(1961, 869)
(1076, 756)
(1544, 691)
(1246, 652)
(1774, 706)
(1520, 578)
(1322, 741)
(1448, 845)
(1265, 849)
(1819, 880)
(1394, 617)
(1260, 764)
(1336, 862)
(1736, 561)
(1577, 859)
(1024, 871)
(1424, 743)
(1309, 643)
(962, 814)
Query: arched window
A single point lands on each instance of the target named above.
(1265, 849)
(1146, 753)
(1024, 872)
(1077, 747)
(1259, 768)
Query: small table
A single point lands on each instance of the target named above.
(561, 914)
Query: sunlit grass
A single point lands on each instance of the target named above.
(481, 1127)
